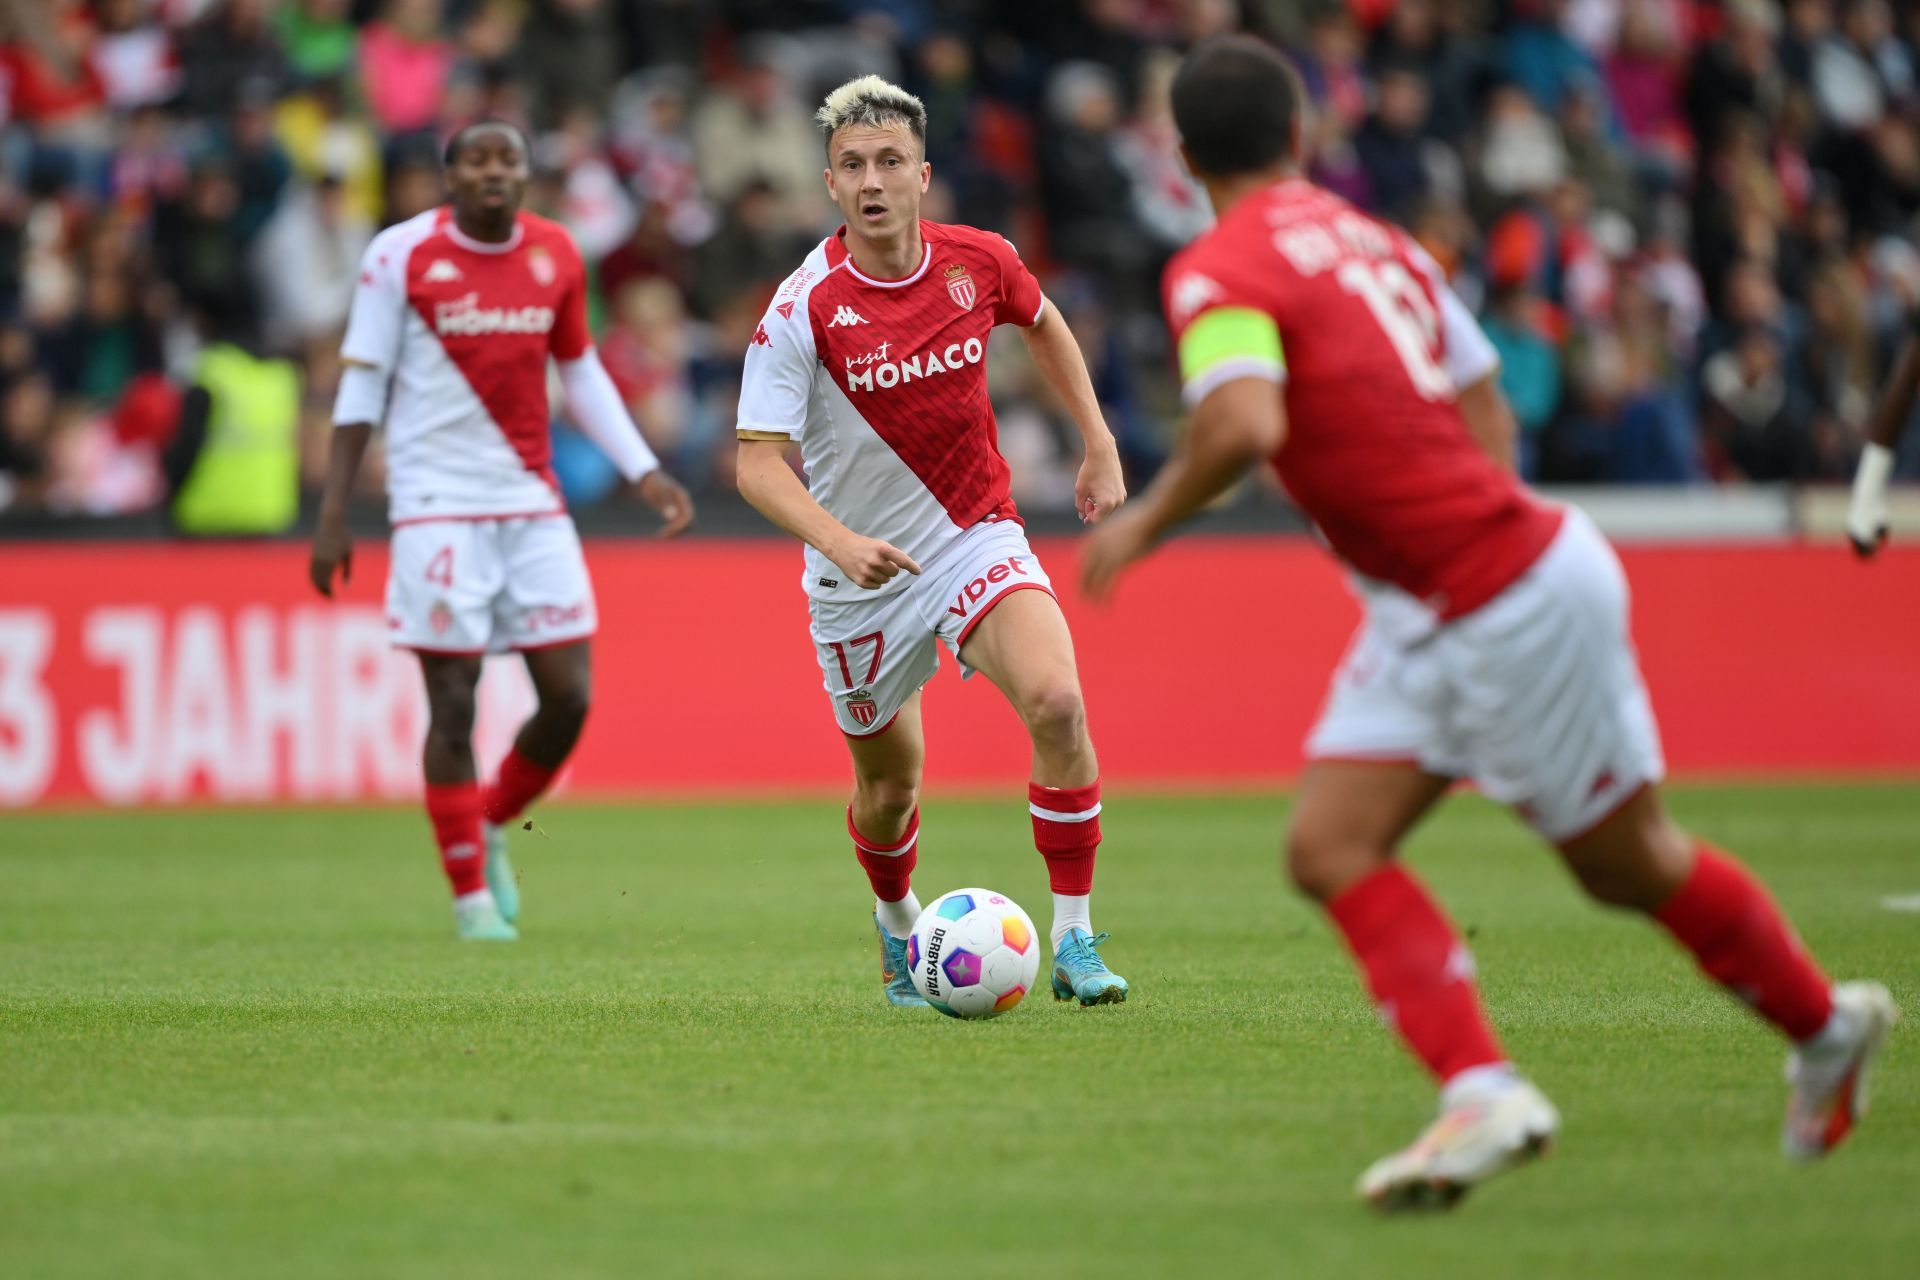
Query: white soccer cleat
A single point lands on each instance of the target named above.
(1830, 1079)
(1486, 1132)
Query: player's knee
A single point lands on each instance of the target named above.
(1057, 718)
(888, 802)
(1322, 863)
(567, 705)
(450, 718)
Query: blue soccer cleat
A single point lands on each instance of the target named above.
(1080, 974)
(500, 878)
(894, 971)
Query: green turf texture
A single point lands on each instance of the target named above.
(245, 1044)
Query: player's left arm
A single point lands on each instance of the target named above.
(597, 409)
(1473, 364)
(1867, 518)
(1232, 371)
(1101, 486)
(1239, 424)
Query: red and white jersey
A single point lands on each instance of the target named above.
(1371, 348)
(884, 385)
(462, 330)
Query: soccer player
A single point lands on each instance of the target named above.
(871, 359)
(1494, 647)
(1867, 512)
(454, 320)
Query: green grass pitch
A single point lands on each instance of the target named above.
(245, 1044)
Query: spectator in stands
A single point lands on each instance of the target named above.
(405, 59)
(233, 45)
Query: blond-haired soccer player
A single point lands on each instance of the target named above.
(871, 359)
(1495, 644)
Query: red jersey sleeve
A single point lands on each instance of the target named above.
(1020, 296)
(571, 337)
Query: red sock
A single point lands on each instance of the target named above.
(889, 867)
(1066, 831)
(455, 811)
(1418, 970)
(516, 786)
(1742, 941)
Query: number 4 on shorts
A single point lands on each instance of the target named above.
(440, 568)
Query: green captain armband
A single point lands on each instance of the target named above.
(1227, 343)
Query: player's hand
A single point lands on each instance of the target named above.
(1867, 518)
(669, 500)
(1110, 549)
(869, 562)
(332, 550)
(1101, 486)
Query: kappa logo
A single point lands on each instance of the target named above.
(846, 316)
(760, 338)
(442, 272)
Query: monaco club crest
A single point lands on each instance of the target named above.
(540, 262)
(960, 287)
(861, 706)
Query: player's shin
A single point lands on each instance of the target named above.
(1741, 939)
(1066, 831)
(518, 784)
(1418, 970)
(454, 809)
(889, 866)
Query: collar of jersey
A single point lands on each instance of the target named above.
(467, 242)
(926, 260)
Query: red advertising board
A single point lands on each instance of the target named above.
(166, 673)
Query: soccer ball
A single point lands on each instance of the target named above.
(973, 953)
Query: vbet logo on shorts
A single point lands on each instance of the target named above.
(874, 369)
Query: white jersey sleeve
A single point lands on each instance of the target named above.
(776, 387)
(376, 322)
(1468, 353)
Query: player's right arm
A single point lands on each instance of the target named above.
(368, 355)
(776, 389)
(1867, 511)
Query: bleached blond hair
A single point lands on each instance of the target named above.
(874, 103)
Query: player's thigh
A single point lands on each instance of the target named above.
(442, 580)
(1349, 816)
(993, 604)
(891, 761)
(1024, 647)
(547, 599)
(874, 656)
(1547, 693)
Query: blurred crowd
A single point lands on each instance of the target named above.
(1689, 227)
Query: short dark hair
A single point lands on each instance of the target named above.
(1236, 102)
(459, 139)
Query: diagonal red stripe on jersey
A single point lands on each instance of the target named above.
(915, 369)
(499, 316)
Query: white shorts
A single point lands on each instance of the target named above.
(487, 586)
(1536, 696)
(876, 654)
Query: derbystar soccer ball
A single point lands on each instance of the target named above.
(973, 953)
